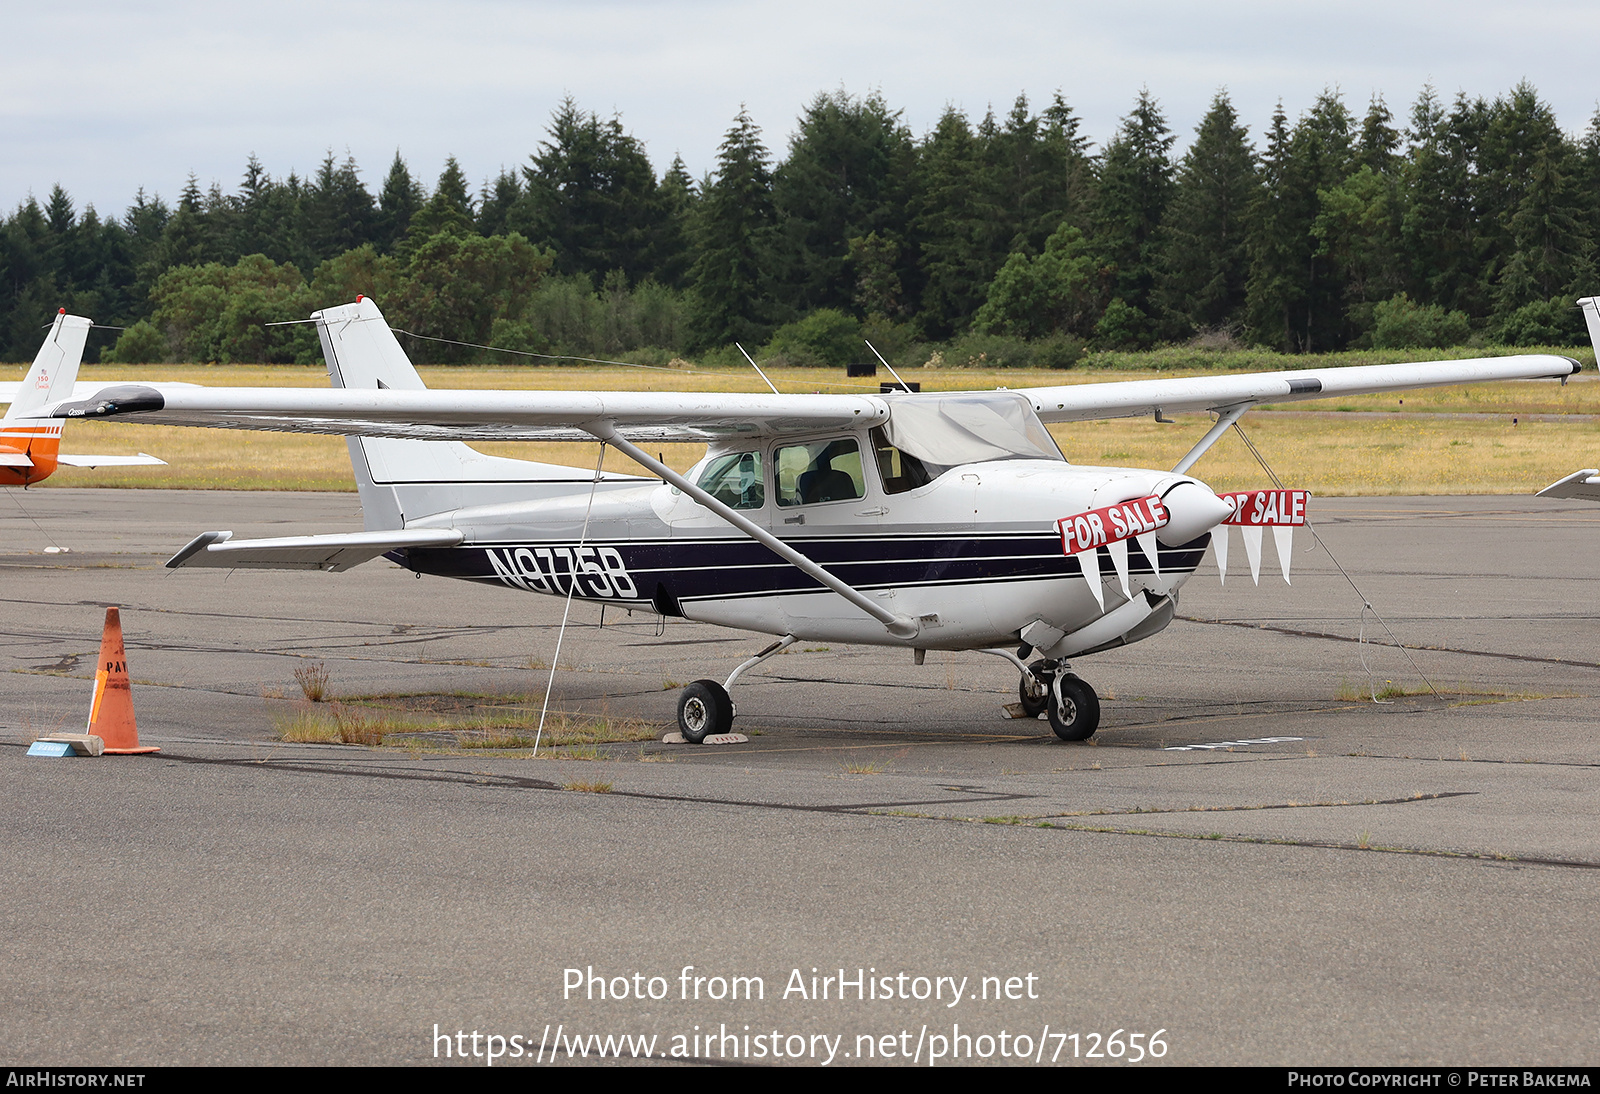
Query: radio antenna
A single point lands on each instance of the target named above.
(903, 385)
(759, 373)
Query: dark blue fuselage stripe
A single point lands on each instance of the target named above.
(726, 568)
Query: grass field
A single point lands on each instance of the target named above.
(1421, 444)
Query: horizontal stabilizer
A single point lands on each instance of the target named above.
(141, 460)
(15, 459)
(1584, 485)
(333, 553)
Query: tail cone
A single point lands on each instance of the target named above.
(111, 713)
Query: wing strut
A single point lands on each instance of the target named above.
(1227, 416)
(898, 625)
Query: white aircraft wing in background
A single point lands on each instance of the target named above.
(1584, 485)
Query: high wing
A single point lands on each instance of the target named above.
(83, 389)
(1225, 394)
(678, 416)
(381, 396)
(482, 415)
(359, 331)
(1135, 398)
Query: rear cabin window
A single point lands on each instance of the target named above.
(735, 480)
(806, 474)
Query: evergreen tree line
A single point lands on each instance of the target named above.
(1472, 221)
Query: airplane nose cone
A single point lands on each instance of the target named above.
(1192, 510)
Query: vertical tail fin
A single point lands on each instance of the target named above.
(1591, 316)
(361, 351)
(55, 367)
(30, 445)
(403, 480)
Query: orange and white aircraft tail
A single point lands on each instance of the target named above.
(30, 447)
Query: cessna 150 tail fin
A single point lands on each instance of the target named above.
(942, 520)
(30, 443)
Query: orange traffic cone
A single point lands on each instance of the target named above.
(111, 714)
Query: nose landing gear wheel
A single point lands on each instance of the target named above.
(1074, 708)
(1034, 702)
(704, 709)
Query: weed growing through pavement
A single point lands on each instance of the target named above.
(435, 722)
(338, 724)
(313, 681)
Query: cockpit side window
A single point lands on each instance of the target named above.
(805, 474)
(900, 470)
(735, 480)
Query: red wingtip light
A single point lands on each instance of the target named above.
(61, 311)
(360, 297)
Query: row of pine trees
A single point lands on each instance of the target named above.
(1472, 220)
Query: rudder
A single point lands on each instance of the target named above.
(55, 366)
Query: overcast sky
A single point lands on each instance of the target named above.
(106, 97)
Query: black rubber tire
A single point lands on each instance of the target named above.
(1031, 706)
(1074, 708)
(704, 709)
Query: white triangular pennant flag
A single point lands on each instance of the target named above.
(1219, 540)
(1119, 562)
(1152, 553)
(1283, 539)
(1089, 565)
(1251, 534)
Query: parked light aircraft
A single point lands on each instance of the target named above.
(1583, 485)
(30, 443)
(946, 521)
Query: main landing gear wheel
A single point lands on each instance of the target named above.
(1037, 698)
(704, 709)
(1074, 708)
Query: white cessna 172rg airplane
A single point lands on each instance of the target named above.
(943, 521)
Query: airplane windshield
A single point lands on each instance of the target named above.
(735, 480)
(939, 432)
